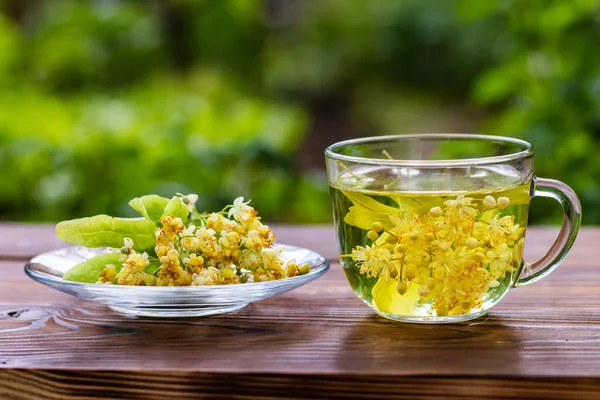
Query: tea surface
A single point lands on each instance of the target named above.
(427, 252)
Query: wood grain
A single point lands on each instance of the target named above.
(318, 341)
(59, 384)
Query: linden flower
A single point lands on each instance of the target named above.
(228, 275)
(189, 231)
(253, 224)
(499, 259)
(260, 275)
(515, 233)
(108, 274)
(489, 202)
(172, 257)
(436, 212)
(276, 273)
(445, 264)
(221, 251)
(190, 243)
(188, 240)
(230, 245)
(128, 243)
(503, 229)
(253, 241)
(408, 229)
(131, 278)
(292, 269)
(408, 269)
(219, 223)
(137, 262)
(132, 272)
(162, 249)
(206, 277)
(194, 263)
(271, 258)
(190, 201)
(248, 277)
(171, 227)
(229, 240)
(471, 243)
(249, 260)
(479, 231)
(127, 249)
(241, 211)
(267, 235)
(171, 273)
(452, 255)
(208, 243)
(372, 260)
(462, 205)
(518, 252)
(162, 239)
(502, 202)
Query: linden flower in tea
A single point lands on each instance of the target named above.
(434, 254)
(175, 245)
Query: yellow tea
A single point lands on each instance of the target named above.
(413, 246)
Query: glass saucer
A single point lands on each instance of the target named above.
(183, 301)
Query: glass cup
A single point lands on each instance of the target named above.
(431, 227)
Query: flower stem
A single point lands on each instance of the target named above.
(385, 153)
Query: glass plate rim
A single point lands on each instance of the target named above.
(322, 265)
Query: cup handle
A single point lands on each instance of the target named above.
(567, 198)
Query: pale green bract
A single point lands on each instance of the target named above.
(177, 209)
(90, 270)
(153, 267)
(151, 206)
(106, 231)
(365, 211)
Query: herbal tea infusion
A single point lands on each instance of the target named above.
(428, 253)
(431, 227)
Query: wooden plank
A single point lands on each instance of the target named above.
(551, 328)
(23, 241)
(318, 341)
(61, 384)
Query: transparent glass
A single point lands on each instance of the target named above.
(431, 227)
(178, 301)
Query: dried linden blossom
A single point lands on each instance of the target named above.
(453, 256)
(231, 246)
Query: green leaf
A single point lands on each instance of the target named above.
(106, 231)
(151, 206)
(153, 267)
(90, 270)
(177, 209)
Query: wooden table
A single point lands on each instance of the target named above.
(318, 341)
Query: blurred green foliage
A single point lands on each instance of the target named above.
(104, 100)
(95, 111)
(547, 90)
(85, 154)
